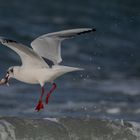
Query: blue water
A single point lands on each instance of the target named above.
(110, 85)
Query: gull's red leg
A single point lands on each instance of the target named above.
(40, 103)
(50, 92)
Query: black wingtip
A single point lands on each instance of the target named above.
(5, 40)
(93, 29)
(87, 31)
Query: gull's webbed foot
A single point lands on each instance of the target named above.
(39, 106)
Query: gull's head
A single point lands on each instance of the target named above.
(12, 72)
(9, 74)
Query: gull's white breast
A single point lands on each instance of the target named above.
(42, 75)
(33, 75)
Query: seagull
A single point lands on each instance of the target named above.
(34, 69)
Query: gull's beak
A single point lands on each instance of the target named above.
(7, 78)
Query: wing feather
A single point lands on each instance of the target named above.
(49, 45)
(28, 57)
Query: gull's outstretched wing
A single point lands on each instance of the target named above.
(49, 45)
(28, 57)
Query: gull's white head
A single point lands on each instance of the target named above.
(9, 74)
(12, 71)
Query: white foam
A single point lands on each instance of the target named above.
(136, 129)
(7, 131)
(52, 119)
(113, 110)
(129, 87)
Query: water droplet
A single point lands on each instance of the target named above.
(99, 68)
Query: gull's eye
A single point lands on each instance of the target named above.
(11, 70)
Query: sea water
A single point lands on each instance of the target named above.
(108, 88)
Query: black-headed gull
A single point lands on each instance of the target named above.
(34, 69)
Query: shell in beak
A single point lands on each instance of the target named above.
(5, 80)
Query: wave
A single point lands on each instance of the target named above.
(12, 128)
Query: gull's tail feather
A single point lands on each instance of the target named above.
(78, 69)
(59, 70)
(66, 68)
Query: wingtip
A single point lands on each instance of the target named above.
(87, 30)
(93, 29)
(5, 40)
